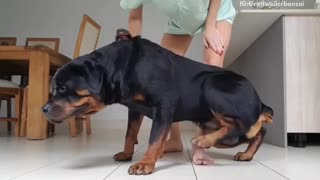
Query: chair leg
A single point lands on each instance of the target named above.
(88, 125)
(23, 123)
(73, 127)
(79, 124)
(51, 129)
(18, 113)
(9, 115)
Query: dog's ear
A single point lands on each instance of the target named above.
(122, 34)
(95, 77)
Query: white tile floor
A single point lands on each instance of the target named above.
(90, 158)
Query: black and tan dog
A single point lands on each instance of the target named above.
(166, 87)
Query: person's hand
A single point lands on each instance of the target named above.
(212, 39)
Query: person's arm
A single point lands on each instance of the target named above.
(212, 37)
(135, 21)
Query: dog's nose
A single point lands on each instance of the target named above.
(45, 108)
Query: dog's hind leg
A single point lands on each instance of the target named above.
(225, 126)
(209, 140)
(254, 145)
(264, 118)
(134, 123)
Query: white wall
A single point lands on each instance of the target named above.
(61, 18)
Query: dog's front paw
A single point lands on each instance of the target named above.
(242, 156)
(141, 168)
(203, 142)
(122, 156)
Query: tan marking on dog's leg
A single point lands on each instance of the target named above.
(209, 140)
(264, 118)
(268, 118)
(147, 164)
(254, 129)
(252, 148)
(131, 139)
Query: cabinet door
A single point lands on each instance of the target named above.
(302, 69)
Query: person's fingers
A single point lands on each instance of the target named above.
(219, 46)
(213, 46)
(205, 42)
(222, 44)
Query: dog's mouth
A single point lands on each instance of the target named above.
(79, 111)
(55, 121)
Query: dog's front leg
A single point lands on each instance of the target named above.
(134, 122)
(163, 117)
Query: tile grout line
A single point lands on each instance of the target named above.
(194, 171)
(272, 170)
(28, 172)
(122, 163)
(113, 170)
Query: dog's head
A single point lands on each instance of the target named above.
(76, 89)
(84, 86)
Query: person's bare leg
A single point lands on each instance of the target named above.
(199, 155)
(178, 44)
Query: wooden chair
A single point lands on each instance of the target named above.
(86, 43)
(53, 43)
(9, 90)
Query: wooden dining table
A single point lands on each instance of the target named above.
(38, 63)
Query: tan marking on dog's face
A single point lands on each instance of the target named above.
(138, 97)
(84, 92)
(93, 103)
(66, 106)
(86, 99)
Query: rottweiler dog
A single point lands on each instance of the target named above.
(165, 87)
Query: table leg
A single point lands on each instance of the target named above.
(73, 127)
(39, 70)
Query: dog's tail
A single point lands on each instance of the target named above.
(268, 113)
(122, 34)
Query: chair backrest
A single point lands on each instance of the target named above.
(53, 43)
(88, 36)
(8, 41)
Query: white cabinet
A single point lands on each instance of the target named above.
(302, 73)
(284, 66)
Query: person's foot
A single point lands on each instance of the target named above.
(173, 142)
(200, 157)
(173, 145)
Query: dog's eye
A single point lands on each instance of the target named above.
(61, 89)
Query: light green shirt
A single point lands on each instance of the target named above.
(186, 16)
